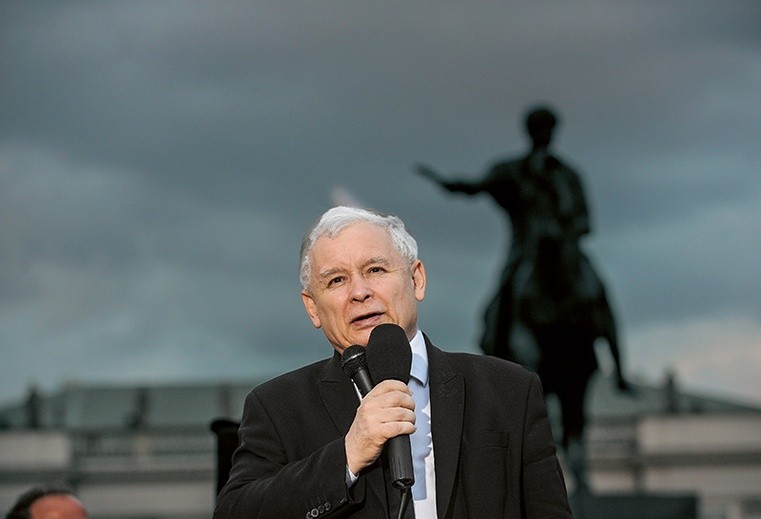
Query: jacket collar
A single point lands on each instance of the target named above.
(447, 390)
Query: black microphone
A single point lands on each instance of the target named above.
(389, 357)
(354, 364)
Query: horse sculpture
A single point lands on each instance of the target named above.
(551, 312)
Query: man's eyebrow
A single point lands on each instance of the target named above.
(329, 272)
(375, 260)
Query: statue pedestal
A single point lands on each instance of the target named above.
(634, 506)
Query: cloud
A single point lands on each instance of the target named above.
(159, 163)
(709, 354)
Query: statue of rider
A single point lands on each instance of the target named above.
(547, 212)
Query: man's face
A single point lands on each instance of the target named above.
(358, 281)
(57, 507)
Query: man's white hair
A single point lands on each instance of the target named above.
(335, 220)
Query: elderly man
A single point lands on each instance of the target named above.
(311, 447)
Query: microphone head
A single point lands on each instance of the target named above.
(389, 355)
(353, 360)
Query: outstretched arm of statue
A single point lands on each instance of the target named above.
(469, 188)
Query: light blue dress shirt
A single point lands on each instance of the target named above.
(424, 489)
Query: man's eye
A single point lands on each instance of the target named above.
(335, 281)
(376, 270)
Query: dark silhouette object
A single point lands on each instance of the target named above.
(227, 441)
(32, 408)
(138, 419)
(550, 306)
(47, 502)
(671, 394)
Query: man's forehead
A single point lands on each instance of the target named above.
(354, 247)
(356, 237)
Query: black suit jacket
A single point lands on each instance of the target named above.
(493, 449)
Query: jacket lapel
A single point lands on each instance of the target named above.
(339, 396)
(447, 391)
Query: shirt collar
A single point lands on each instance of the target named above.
(419, 369)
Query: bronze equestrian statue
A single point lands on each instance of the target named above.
(550, 306)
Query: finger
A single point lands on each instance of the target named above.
(390, 385)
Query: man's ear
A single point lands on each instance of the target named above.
(418, 279)
(311, 308)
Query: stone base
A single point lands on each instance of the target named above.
(634, 506)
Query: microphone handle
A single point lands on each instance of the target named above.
(363, 381)
(398, 450)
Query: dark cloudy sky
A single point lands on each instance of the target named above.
(159, 162)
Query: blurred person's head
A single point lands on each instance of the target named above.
(540, 122)
(52, 502)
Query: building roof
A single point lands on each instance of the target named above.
(196, 405)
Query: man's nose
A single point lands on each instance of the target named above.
(360, 288)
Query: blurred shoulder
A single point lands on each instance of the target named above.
(507, 166)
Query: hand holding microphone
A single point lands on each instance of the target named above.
(386, 415)
(385, 412)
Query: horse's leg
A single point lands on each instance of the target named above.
(577, 463)
(573, 409)
(606, 326)
(489, 344)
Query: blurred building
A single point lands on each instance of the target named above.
(148, 452)
(129, 452)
